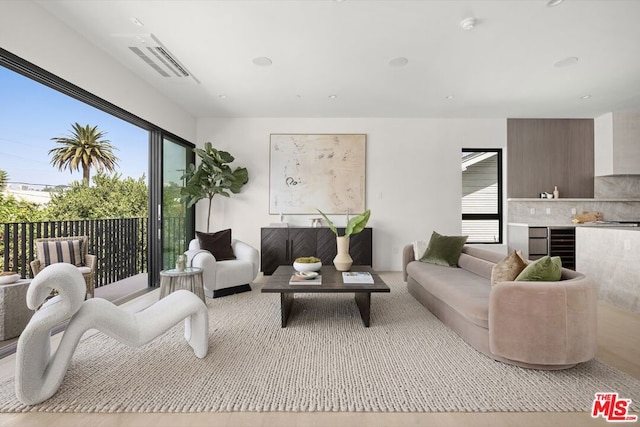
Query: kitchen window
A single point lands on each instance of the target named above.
(482, 195)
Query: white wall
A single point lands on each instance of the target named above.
(413, 174)
(28, 31)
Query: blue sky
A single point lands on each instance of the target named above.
(31, 114)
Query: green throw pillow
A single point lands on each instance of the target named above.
(545, 269)
(444, 250)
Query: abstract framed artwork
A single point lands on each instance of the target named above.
(321, 171)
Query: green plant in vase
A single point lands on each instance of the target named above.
(355, 225)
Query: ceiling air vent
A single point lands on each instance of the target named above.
(149, 49)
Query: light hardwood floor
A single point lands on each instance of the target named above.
(618, 345)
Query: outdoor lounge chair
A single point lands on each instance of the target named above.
(72, 250)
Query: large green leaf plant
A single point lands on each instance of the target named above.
(213, 176)
(355, 225)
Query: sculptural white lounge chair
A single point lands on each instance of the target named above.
(39, 373)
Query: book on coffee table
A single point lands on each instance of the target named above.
(358, 277)
(298, 280)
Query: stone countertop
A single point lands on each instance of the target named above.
(611, 227)
(540, 199)
(608, 256)
(584, 225)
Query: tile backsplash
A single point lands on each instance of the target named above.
(560, 211)
(617, 198)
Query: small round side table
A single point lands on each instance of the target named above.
(189, 279)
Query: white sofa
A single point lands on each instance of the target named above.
(227, 277)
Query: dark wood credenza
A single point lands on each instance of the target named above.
(282, 245)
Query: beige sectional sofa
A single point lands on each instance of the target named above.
(540, 325)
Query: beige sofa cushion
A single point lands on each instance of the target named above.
(508, 269)
(465, 292)
(475, 265)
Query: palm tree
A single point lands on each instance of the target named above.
(84, 147)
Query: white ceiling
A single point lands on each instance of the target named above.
(504, 67)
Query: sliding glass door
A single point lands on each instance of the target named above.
(169, 226)
(176, 226)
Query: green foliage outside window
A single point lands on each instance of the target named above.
(111, 196)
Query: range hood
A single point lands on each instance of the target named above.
(617, 186)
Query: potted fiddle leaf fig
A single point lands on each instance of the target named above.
(212, 177)
(355, 225)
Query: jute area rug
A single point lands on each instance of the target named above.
(325, 360)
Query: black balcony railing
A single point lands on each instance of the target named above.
(174, 243)
(120, 245)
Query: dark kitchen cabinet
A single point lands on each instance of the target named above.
(282, 245)
(544, 153)
(536, 242)
(562, 243)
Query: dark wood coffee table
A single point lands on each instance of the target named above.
(331, 283)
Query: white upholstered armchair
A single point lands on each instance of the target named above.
(226, 277)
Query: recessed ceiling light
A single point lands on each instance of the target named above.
(449, 97)
(468, 23)
(262, 61)
(585, 97)
(400, 61)
(566, 62)
(333, 96)
(136, 21)
(552, 3)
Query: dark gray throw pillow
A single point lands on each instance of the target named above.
(218, 243)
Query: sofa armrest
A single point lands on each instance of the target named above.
(194, 244)
(545, 323)
(246, 252)
(207, 262)
(407, 257)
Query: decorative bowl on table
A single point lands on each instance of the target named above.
(306, 274)
(7, 277)
(307, 264)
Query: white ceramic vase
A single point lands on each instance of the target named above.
(343, 260)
